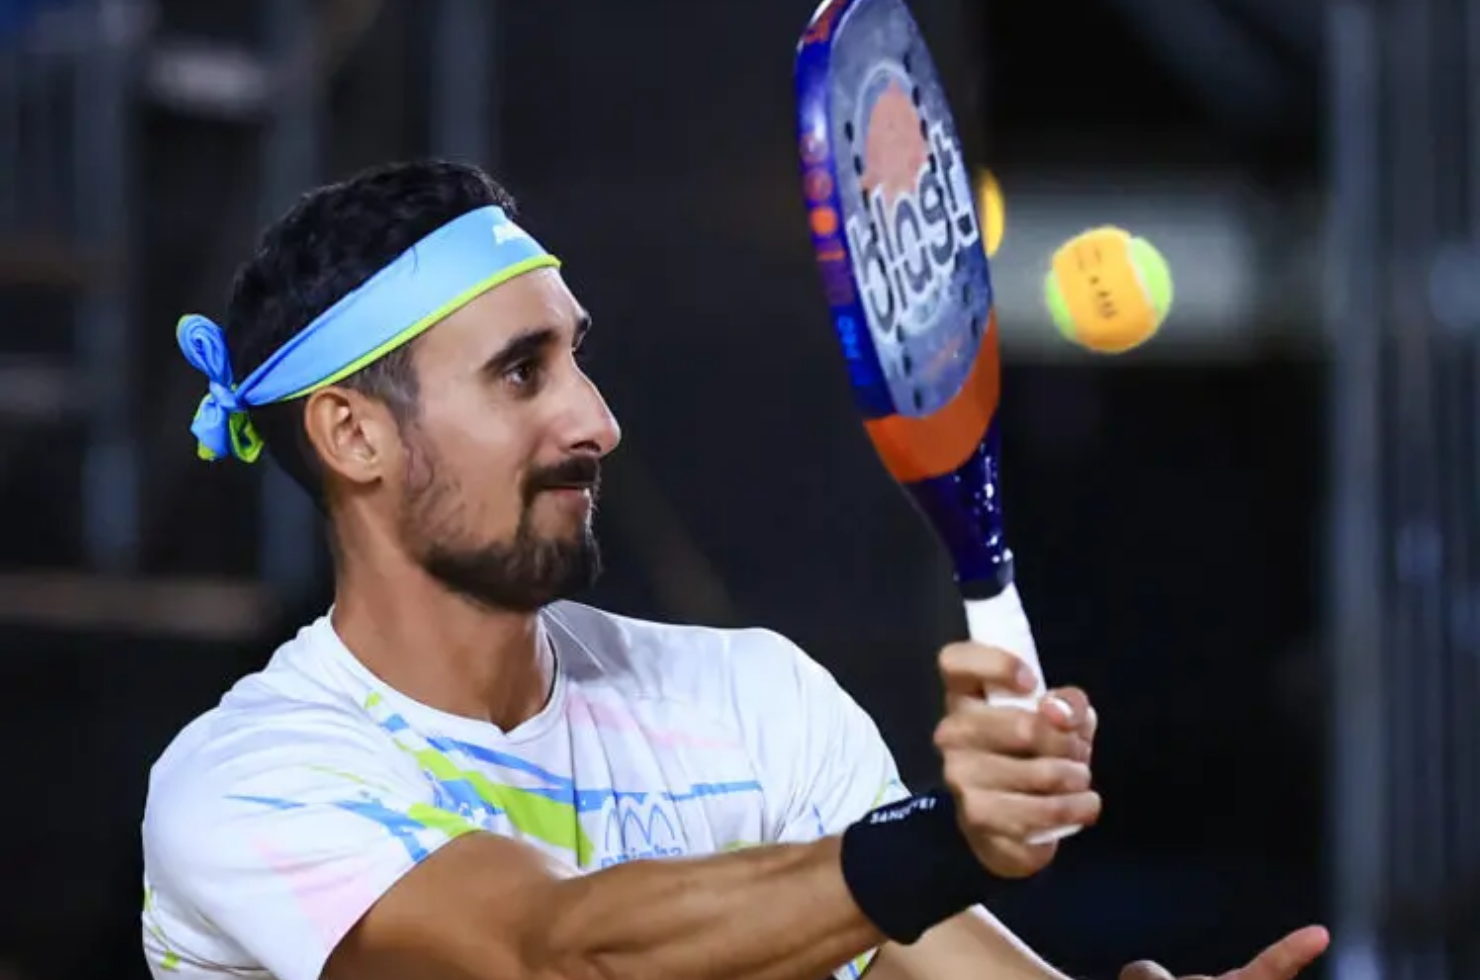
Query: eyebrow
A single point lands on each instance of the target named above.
(530, 344)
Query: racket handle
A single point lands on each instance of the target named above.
(1002, 622)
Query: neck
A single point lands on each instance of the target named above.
(435, 646)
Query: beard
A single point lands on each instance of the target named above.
(522, 573)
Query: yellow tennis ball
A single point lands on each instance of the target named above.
(993, 211)
(1108, 290)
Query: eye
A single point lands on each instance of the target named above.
(524, 375)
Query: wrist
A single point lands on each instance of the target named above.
(909, 867)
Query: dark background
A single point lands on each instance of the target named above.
(1181, 515)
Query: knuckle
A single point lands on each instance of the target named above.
(1092, 808)
(1042, 776)
(956, 772)
(1061, 745)
(1004, 667)
(977, 809)
(1077, 809)
(945, 733)
(966, 807)
(979, 660)
(954, 658)
(955, 730)
(988, 659)
(1058, 810)
(1024, 730)
(1054, 775)
(1016, 824)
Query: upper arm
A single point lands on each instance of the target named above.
(820, 748)
(463, 913)
(266, 846)
(831, 758)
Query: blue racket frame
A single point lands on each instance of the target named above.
(964, 507)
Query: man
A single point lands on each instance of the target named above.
(456, 773)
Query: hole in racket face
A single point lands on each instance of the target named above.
(908, 209)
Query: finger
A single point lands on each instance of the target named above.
(1068, 708)
(972, 669)
(1286, 958)
(1059, 713)
(1145, 970)
(1019, 816)
(1007, 731)
(968, 771)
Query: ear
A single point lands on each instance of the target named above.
(355, 436)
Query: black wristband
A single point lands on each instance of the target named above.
(909, 867)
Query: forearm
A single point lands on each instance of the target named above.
(972, 945)
(488, 908)
(779, 912)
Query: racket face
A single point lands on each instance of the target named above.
(900, 250)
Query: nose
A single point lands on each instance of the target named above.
(594, 429)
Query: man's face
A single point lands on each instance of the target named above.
(503, 458)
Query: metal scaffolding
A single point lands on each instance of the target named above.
(1405, 555)
(66, 74)
(67, 188)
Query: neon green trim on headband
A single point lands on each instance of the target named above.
(247, 445)
(430, 320)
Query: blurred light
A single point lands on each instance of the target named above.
(203, 77)
(1454, 293)
(992, 210)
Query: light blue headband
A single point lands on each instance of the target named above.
(428, 282)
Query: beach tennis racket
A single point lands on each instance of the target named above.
(899, 246)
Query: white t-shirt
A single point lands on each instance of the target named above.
(275, 820)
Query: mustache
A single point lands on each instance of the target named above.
(575, 473)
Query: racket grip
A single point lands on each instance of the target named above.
(1002, 622)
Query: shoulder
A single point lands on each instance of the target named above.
(273, 734)
(684, 661)
(760, 683)
(273, 820)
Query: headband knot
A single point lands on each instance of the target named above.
(441, 273)
(220, 427)
(224, 396)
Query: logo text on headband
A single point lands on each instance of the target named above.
(507, 231)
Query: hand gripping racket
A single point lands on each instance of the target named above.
(899, 246)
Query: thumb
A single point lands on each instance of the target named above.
(1146, 970)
